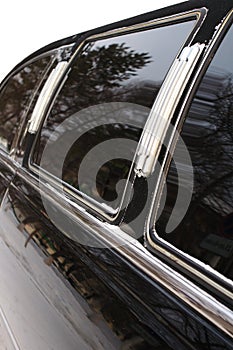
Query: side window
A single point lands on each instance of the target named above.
(206, 232)
(19, 93)
(16, 97)
(108, 94)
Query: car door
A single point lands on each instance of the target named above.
(104, 96)
(89, 280)
(19, 95)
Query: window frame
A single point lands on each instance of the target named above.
(4, 83)
(96, 208)
(23, 126)
(207, 277)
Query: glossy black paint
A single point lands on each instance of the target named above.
(132, 304)
(7, 170)
(140, 313)
(87, 269)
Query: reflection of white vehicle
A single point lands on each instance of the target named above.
(116, 187)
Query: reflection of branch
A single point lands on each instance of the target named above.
(211, 185)
(12, 116)
(222, 97)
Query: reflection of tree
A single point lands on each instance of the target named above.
(81, 267)
(214, 154)
(99, 75)
(112, 289)
(95, 77)
(16, 96)
(108, 66)
(224, 109)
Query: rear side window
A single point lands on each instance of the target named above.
(19, 94)
(107, 97)
(206, 231)
(16, 97)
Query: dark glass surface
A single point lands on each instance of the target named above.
(206, 232)
(16, 97)
(128, 69)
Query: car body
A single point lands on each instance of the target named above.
(116, 186)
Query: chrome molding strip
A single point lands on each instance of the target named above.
(22, 131)
(55, 51)
(193, 270)
(71, 191)
(114, 237)
(193, 296)
(162, 111)
(198, 13)
(45, 96)
(7, 337)
(202, 302)
(158, 190)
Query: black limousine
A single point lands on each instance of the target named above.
(116, 186)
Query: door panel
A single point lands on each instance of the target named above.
(58, 274)
(7, 171)
(41, 309)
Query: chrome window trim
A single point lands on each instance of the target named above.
(96, 207)
(50, 179)
(111, 236)
(56, 51)
(199, 13)
(45, 96)
(55, 54)
(163, 109)
(7, 335)
(206, 305)
(21, 133)
(15, 142)
(222, 28)
(8, 160)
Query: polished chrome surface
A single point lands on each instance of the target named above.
(45, 96)
(113, 236)
(199, 14)
(155, 200)
(191, 294)
(162, 111)
(7, 339)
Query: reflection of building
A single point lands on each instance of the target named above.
(208, 137)
(207, 133)
(141, 92)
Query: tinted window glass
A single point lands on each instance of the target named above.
(124, 71)
(15, 99)
(206, 232)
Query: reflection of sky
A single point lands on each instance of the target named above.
(162, 44)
